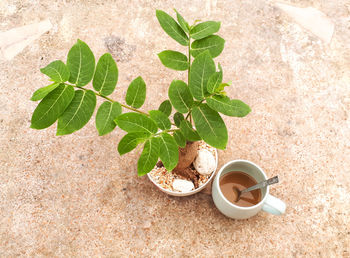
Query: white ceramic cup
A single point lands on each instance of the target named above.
(268, 202)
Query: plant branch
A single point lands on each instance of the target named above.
(188, 114)
(165, 131)
(189, 58)
(111, 100)
(189, 66)
(133, 109)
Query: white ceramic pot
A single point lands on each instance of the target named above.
(173, 193)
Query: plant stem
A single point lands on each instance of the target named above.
(189, 66)
(188, 114)
(165, 131)
(189, 58)
(111, 100)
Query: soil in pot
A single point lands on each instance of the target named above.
(185, 170)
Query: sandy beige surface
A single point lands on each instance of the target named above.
(75, 196)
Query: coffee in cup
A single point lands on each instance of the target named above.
(240, 181)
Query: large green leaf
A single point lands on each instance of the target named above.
(42, 92)
(204, 29)
(183, 24)
(228, 107)
(202, 68)
(179, 138)
(174, 60)
(188, 131)
(213, 43)
(106, 75)
(78, 113)
(52, 106)
(214, 81)
(81, 64)
(178, 117)
(161, 119)
(180, 96)
(136, 94)
(130, 142)
(210, 126)
(165, 107)
(171, 27)
(136, 122)
(149, 157)
(57, 71)
(169, 152)
(105, 116)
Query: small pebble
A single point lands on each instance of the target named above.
(182, 185)
(204, 162)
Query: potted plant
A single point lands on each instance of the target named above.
(184, 142)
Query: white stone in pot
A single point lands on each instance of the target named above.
(182, 185)
(205, 162)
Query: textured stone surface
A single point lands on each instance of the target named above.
(74, 196)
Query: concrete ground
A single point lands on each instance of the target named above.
(75, 196)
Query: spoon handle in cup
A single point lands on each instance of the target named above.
(270, 181)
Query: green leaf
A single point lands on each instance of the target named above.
(171, 27)
(183, 24)
(189, 132)
(205, 29)
(105, 116)
(180, 96)
(214, 82)
(57, 71)
(179, 138)
(174, 60)
(168, 151)
(52, 106)
(202, 68)
(210, 126)
(136, 122)
(78, 113)
(161, 119)
(178, 117)
(42, 92)
(81, 64)
(106, 75)
(214, 44)
(228, 107)
(130, 142)
(149, 157)
(165, 107)
(136, 94)
(222, 86)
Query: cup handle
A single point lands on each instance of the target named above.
(274, 205)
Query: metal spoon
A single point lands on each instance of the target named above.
(270, 181)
